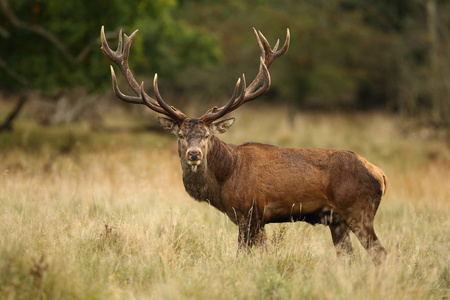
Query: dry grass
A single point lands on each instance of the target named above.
(111, 220)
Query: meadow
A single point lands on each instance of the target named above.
(108, 217)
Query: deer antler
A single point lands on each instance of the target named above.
(259, 85)
(120, 57)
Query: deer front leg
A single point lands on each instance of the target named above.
(251, 235)
(251, 229)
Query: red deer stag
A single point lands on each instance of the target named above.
(256, 184)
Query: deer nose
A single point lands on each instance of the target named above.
(194, 154)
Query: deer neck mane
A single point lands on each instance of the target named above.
(205, 183)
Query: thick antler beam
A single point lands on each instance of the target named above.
(120, 58)
(259, 85)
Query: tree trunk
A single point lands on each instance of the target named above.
(7, 124)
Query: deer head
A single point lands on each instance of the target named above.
(194, 134)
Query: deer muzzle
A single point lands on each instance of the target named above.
(194, 156)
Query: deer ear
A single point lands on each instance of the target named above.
(221, 126)
(168, 125)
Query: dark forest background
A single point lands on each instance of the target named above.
(345, 54)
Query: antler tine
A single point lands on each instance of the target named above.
(264, 43)
(241, 98)
(120, 43)
(127, 45)
(285, 47)
(119, 94)
(105, 47)
(276, 45)
(269, 53)
(258, 40)
(144, 98)
(120, 57)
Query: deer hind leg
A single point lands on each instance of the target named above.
(340, 234)
(362, 227)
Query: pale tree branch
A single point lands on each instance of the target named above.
(6, 125)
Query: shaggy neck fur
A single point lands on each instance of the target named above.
(205, 183)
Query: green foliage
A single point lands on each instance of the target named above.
(77, 24)
(351, 54)
(344, 53)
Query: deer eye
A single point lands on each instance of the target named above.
(207, 135)
(180, 136)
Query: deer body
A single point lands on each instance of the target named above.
(274, 179)
(256, 184)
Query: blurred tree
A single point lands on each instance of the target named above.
(347, 54)
(335, 59)
(53, 46)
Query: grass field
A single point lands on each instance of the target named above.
(110, 219)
